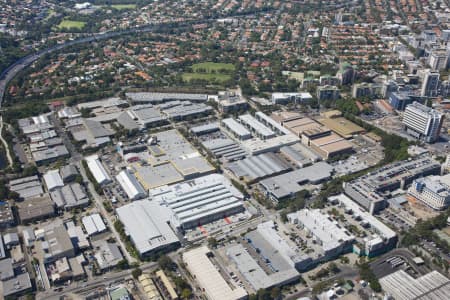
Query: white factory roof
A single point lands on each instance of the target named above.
(236, 128)
(145, 214)
(256, 125)
(97, 169)
(379, 226)
(209, 278)
(198, 198)
(256, 146)
(401, 286)
(93, 224)
(330, 234)
(53, 180)
(292, 182)
(271, 123)
(130, 185)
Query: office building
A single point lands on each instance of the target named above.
(430, 84)
(422, 122)
(265, 259)
(285, 98)
(365, 89)
(431, 191)
(383, 238)
(328, 92)
(439, 59)
(399, 100)
(370, 191)
(236, 129)
(207, 275)
(257, 128)
(231, 102)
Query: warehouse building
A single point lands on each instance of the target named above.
(130, 185)
(157, 236)
(205, 128)
(331, 145)
(401, 286)
(97, 170)
(170, 160)
(68, 173)
(300, 155)
(199, 201)
(45, 156)
(209, 278)
(258, 129)
(371, 190)
(70, 196)
(141, 117)
(56, 244)
(183, 110)
(156, 98)
(36, 208)
(289, 184)
(256, 167)
(93, 224)
(26, 187)
(266, 259)
(383, 239)
(224, 147)
(236, 129)
(53, 180)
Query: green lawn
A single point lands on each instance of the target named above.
(67, 24)
(220, 78)
(211, 66)
(123, 6)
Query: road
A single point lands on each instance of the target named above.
(5, 144)
(98, 200)
(85, 287)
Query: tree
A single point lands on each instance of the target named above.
(136, 273)
(123, 264)
(186, 294)
(212, 242)
(166, 263)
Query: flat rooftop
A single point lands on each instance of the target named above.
(341, 126)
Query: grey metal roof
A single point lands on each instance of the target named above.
(259, 166)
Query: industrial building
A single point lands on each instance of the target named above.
(93, 224)
(331, 145)
(236, 129)
(258, 129)
(256, 167)
(401, 286)
(423, 122)
(333, 239)
(130, 185)
(92, 132)
(300, 155)
(182, 110)
(224, 148)
(289, 184)
(6, 214)
(26, 187)
(371, 190)
(340, 125)
(148, 215)
(265, 259)
(157, 98)
(210, 280)
(70, 196)
(35, 208)
(141, 117)
(198, 201)
(16, 286)
(205, 128)
(98, 171)
(53, 180)
(68, 173)
(170, 159)
(383, 239)
(431, 192)
(107, 255)
(56, 244)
